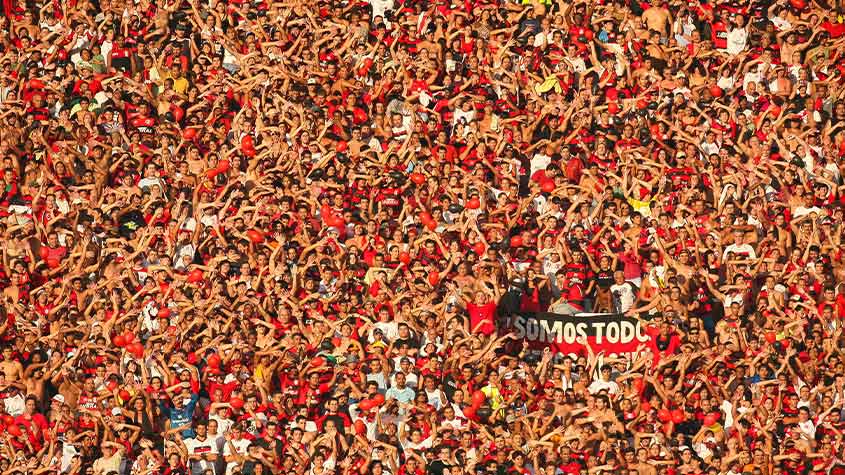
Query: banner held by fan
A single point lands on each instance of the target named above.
(613, 333)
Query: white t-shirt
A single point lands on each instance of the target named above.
(539, 162)
(51, 27)
(411, 380)
(751, 76)
(702, 449)
(741, 249)
(625, 291)
(801, 211)
(710, 148)
(434, 398)
(208, 220)
(551, 267)
(737, 40)
(197, 447)
(423, 444)
(240, 448)
(808, 428)
(390, 330)
(15, 405)
(68, 452)
(181, 252)
(730, 299)
(542, 38)
(106, 47)
(380, 7)
(780, 23)
(725, 82)
(459, 114)
(223, 424)
(379, 379)
(577, 63)
(455, 424)
(727, 409)
(600, 385)
(151, 181)
(229, 59)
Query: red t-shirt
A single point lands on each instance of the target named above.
(482, 313)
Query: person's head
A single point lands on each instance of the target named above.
(606, 371)
(803, 414)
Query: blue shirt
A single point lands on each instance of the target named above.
(402, 395)
(183, 416)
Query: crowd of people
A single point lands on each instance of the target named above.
(275, 237)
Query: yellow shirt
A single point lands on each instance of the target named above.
(494, 396)
(641, 207)
(180, 84)
(108, 464)
(258, 374)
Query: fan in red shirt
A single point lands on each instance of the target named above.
(481, 311)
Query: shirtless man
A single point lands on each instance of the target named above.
(68, 387)
(12, 369)
(37, 373)
(12, 293)
(789, 45)
(658, 19)
(643, 467)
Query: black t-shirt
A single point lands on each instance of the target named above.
(604, 278)
(121, 58)
(437, 467)
(410, 342)
(450, 385)
(636, 7)
(132, 220)
(688, 427)
(268, 444)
